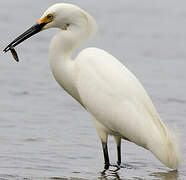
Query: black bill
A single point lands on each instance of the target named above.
(30, 32)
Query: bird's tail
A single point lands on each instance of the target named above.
(166, 148)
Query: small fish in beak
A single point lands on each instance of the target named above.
(27, 34)
(14, 53)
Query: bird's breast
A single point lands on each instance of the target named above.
(64, 74)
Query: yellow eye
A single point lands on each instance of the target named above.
(50, 17)
(47, 19)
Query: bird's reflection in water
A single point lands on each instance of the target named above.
(114, 175)
(169, 175)
(109, 174)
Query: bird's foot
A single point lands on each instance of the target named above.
(111, 168)
(127, 166)
(114, 167)
(106, 167)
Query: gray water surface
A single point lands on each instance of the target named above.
(45, 134)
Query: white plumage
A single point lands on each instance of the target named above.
(111, 93)
(113, 96)
(117, 101)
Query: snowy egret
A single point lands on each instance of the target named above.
(117, 101)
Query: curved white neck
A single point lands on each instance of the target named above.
(59, 48)
(61, 64)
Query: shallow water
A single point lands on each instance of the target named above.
(45, 134)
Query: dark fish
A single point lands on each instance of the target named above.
(14, 53)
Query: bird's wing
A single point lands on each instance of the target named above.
(113, 95)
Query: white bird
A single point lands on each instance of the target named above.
(117, 101)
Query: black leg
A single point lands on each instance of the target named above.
(106, 156)
(118, 143)
(119, 154)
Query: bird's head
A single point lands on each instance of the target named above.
(73, 21)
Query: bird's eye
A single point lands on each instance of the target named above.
(50, 16)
